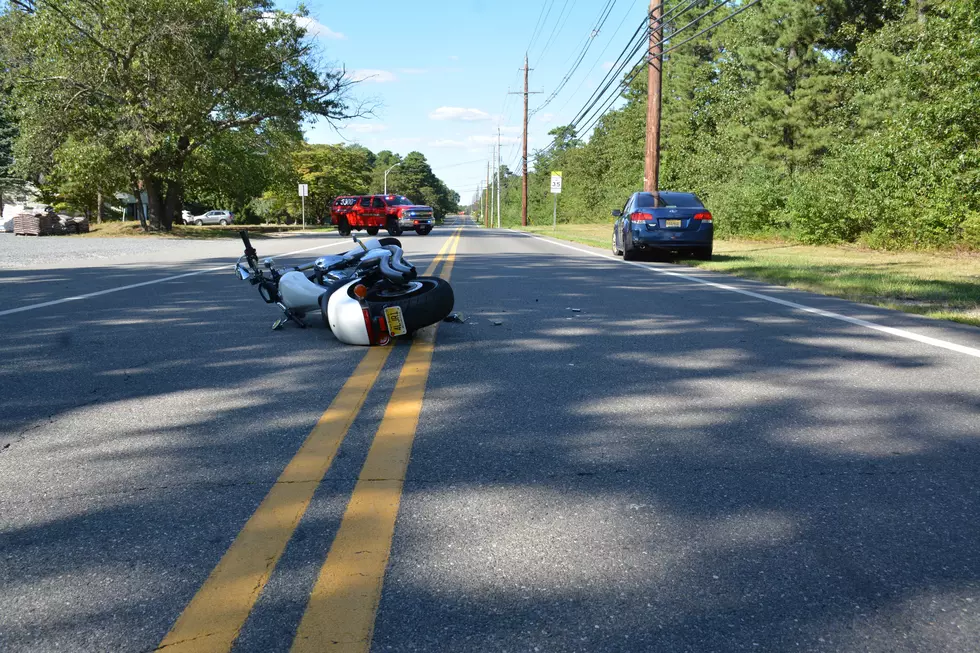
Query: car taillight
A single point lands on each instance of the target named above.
(640, 217)
(703, 217)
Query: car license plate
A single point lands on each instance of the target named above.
(396, 321)
(673, 223)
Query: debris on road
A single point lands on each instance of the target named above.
(496, 322)
(455, 317)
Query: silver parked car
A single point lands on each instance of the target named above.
(213, 217)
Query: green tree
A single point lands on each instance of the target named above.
(156, 81)
(330, 170)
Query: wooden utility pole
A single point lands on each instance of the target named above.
(655, 69)
(524, 155)
(486, 214)
(498, 176)
(524, 149)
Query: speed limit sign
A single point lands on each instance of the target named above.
(555, 181)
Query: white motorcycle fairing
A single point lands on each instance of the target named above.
(299, 294)
(346, 317)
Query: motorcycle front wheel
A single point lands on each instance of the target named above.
(424, 301)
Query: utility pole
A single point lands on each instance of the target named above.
(498, 176)
(493, 180)
(486, 214)
(524, 155)
(651, 167)
(524, 159)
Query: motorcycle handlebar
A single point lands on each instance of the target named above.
(250, 254)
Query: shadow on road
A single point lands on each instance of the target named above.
(669, 468)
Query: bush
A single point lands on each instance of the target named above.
(751, 204)
(820, 208)
(970, 230)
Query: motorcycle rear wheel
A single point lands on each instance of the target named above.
(428, 301)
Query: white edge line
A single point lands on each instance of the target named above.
(901, 333)
(55, 302)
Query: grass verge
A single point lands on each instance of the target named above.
(192, 232)
(941, 285)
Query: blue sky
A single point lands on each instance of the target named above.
(440, 72)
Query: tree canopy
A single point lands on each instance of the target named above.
(161, 89)
(849, 120)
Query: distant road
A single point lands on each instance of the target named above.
(603, 456)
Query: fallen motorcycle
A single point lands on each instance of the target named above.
(365, 296)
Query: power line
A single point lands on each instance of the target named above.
(537, 24)
(556, 29)
(713, 25)
(603, 17)
(676, 14)
(638, 67)
(637, 46)
(604, 50)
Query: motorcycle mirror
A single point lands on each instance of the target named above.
(242, 272)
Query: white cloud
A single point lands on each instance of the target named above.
(413, 71)
(447, 142)
(545, 117)
(315, 28)
(367, 127)
(459, 113)
(372, 75)
(511, 130)
(492, 140)
(453, 57)
(400, 142)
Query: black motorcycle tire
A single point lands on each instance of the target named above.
(427, 305)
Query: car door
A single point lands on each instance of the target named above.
(378, 208)
(624, 224)
(363, 211)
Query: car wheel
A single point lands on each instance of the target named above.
(199, 223)
(629, 254)
(615, 250)
(372, 231)
(393, 228)
(223, 223)
(343, 227)
(423, 231)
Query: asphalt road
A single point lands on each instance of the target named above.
(608, 457)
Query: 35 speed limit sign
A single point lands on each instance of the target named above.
(555, 181)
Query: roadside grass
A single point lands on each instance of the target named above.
(132, 228)
(941, 285)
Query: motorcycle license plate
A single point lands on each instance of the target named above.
(396, 321)
(673, 223)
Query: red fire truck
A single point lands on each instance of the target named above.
(395, 213)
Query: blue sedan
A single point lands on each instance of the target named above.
(674, 225)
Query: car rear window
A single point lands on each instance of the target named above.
(661, 200)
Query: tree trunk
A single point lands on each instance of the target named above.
(921, 9)
(140, 213)
(98, 208)
(172, 204)
(154, 198)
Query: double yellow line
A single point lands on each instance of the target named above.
(342, 607)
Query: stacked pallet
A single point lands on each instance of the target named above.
(48, 224)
